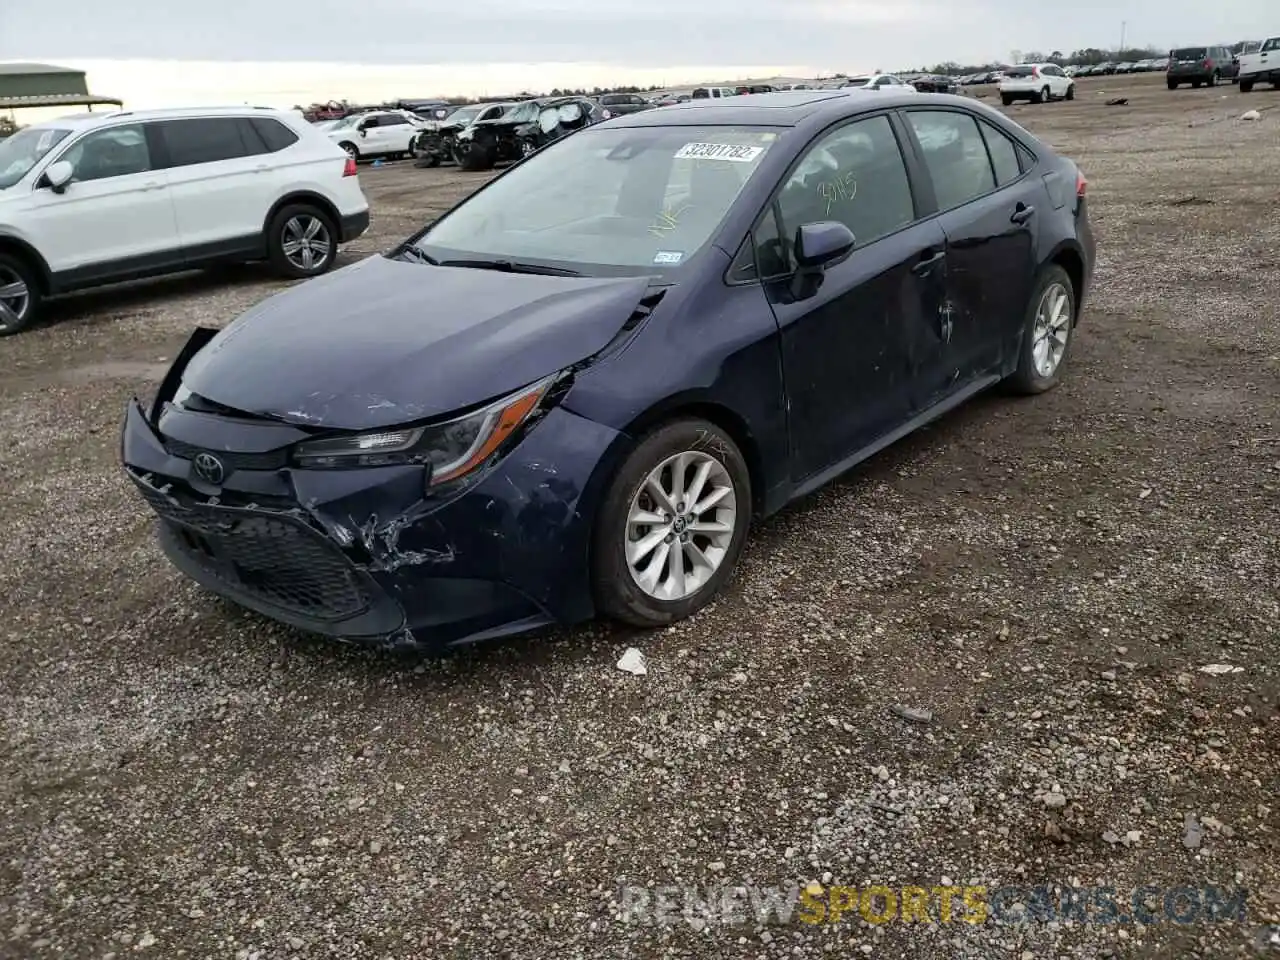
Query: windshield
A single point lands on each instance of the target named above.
(22, 151)
(463, 115)
(349, 121)
(641, 200)
(1189, 53)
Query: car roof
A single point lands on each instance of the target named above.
(82, 121)
(785, 108)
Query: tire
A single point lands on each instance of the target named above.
(1195, 84)
(352, 150)
(1071, 91)
(475, 159)
(1171, 85)
(1246, 86)
(1213, 79)
(615, 583)
(22, 301)
(1007, 101)
(1040, 96)
(293, 224)
(1027, 378)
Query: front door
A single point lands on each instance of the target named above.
(988, 211)
(851, 352)
(115, 217)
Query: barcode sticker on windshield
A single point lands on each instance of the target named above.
(718, 151)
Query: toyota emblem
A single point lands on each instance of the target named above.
(209, 468)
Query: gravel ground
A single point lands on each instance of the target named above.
(1045, 577)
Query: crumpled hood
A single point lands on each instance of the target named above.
(385, 342)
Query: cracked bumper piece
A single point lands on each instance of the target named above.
(358, 554)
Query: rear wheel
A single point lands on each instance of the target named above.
(1246, 86)
(672, 525)
(1007, 101)
(302, 241)
(475, 159)
(19, 294)
(1213, 79)
(1047, 333)
(1171, 84)
(1195, 84)
(352, 150)
(1042, 96)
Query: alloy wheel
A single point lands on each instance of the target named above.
(1050, 331)
(680, 525)
(15, 298)
(306, 242)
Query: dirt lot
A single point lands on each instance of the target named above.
(1047, 577)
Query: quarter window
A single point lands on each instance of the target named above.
(204, 140)
(113, 152)
(274, 134)
(955, 155)
(1004, 155)
(856, 175)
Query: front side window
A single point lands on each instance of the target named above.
(1272, 44)
(954, 154)
(641, 200)
(22, 151)
(855, 175)
(113, 152)
(204, 140)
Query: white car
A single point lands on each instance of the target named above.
(1261, 65)
(107, 197)
(378, 133)
(886, 82)
(1037, 82)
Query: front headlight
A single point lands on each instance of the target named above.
(451, 449)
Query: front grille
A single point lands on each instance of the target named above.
(271, 460)
(276, 559)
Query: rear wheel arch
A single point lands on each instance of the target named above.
(303, 198)
(1070, 260)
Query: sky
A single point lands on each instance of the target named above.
(170, 52)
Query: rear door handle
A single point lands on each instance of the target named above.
(261, 168)
(927, 263)
(152, 185)
(1022, 213)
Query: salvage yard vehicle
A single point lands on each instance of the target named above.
(570, 395)
(618, 104)
(437, 143)
(522, 130)
(1036, 82)
(106, 197)
(879, 82)
(1200, 66)
(1262, 66)
(378, 133)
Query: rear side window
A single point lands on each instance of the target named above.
(955, 155)
(206, 140)
(1004, 155)
(273, 134)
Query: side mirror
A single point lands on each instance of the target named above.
(818, 246)
(822, 244)
(59, 175)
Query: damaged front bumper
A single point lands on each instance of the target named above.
(361, 554)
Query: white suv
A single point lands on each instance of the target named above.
(379, 133)
(102, 198)
(1037, 82)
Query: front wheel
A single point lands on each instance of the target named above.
(1007, 101)
(302, 241)
(1046, 334)
(672, 525)
(1071, 92)
(1171, 85)
(19, 295)
(475, 158)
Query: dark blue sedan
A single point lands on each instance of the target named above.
(571, 394)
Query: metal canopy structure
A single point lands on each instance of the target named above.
(29, 85)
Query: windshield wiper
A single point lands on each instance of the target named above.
(410, 252)
(511, 266)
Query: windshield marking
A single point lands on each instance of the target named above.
(737, 153)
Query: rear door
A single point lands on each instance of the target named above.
(851, 352)
(222, 184)
(988, 202)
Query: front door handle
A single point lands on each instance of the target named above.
(928, 263)
(1022, 213)
(152, 185)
